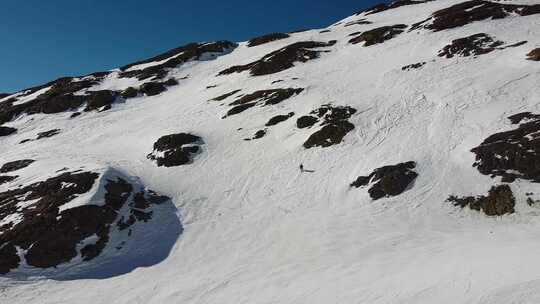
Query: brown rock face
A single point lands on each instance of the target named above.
(475, 10)
(512, 154)
(499, 201)
(534, 55)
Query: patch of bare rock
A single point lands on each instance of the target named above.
(282, 59)
(388, 180)
(334, 122)
(175, 149)
(499, 201)
(378, 35)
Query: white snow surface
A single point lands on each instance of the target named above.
(256, 230)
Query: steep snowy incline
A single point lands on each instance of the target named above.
(386, 111)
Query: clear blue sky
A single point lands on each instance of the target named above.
(46, 39)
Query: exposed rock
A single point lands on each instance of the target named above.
(413, 66)
(329, 135)
(278, 118)
(499, 201)
(267, 38)
(470, 11)
(306, 121)
(474, 45)
(263, 97)
(16, 165)
(5, 131)
(383, 6)
(388, 180)
(335, 125)
(357, 22)
(49, 133)
(130, 92)
(99, 99)
(281, 59)
(152, 88)
(176, 57)
(269, 97)
(259, 134)
(512, 154)
(60, 97)
(4, 95)
(379, 35)
(330, 113)
(175, 149)
(49, 236)
(6, 179)
(225, 96)
(517, 118)
(534, 55)
(170, 82)
(239, 109)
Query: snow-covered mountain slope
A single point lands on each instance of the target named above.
(392, 157)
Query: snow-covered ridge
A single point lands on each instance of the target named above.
(391, 157)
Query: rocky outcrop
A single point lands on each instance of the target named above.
(335, 125)
(388, 180)
(475, 10)
(5, 131)
(384, 6)
(175, 149)
(266, 38)
(16, 165)
(378, 35)
(474, 45)
(38, 224)
(263, 98)
(534, 55)
(282, 59)
(174, 58)
(225, 96)
(278, 119)
(414, 66)
(512, 154)
(499, 201)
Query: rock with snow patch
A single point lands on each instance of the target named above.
(175, 149)
(282, 59)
